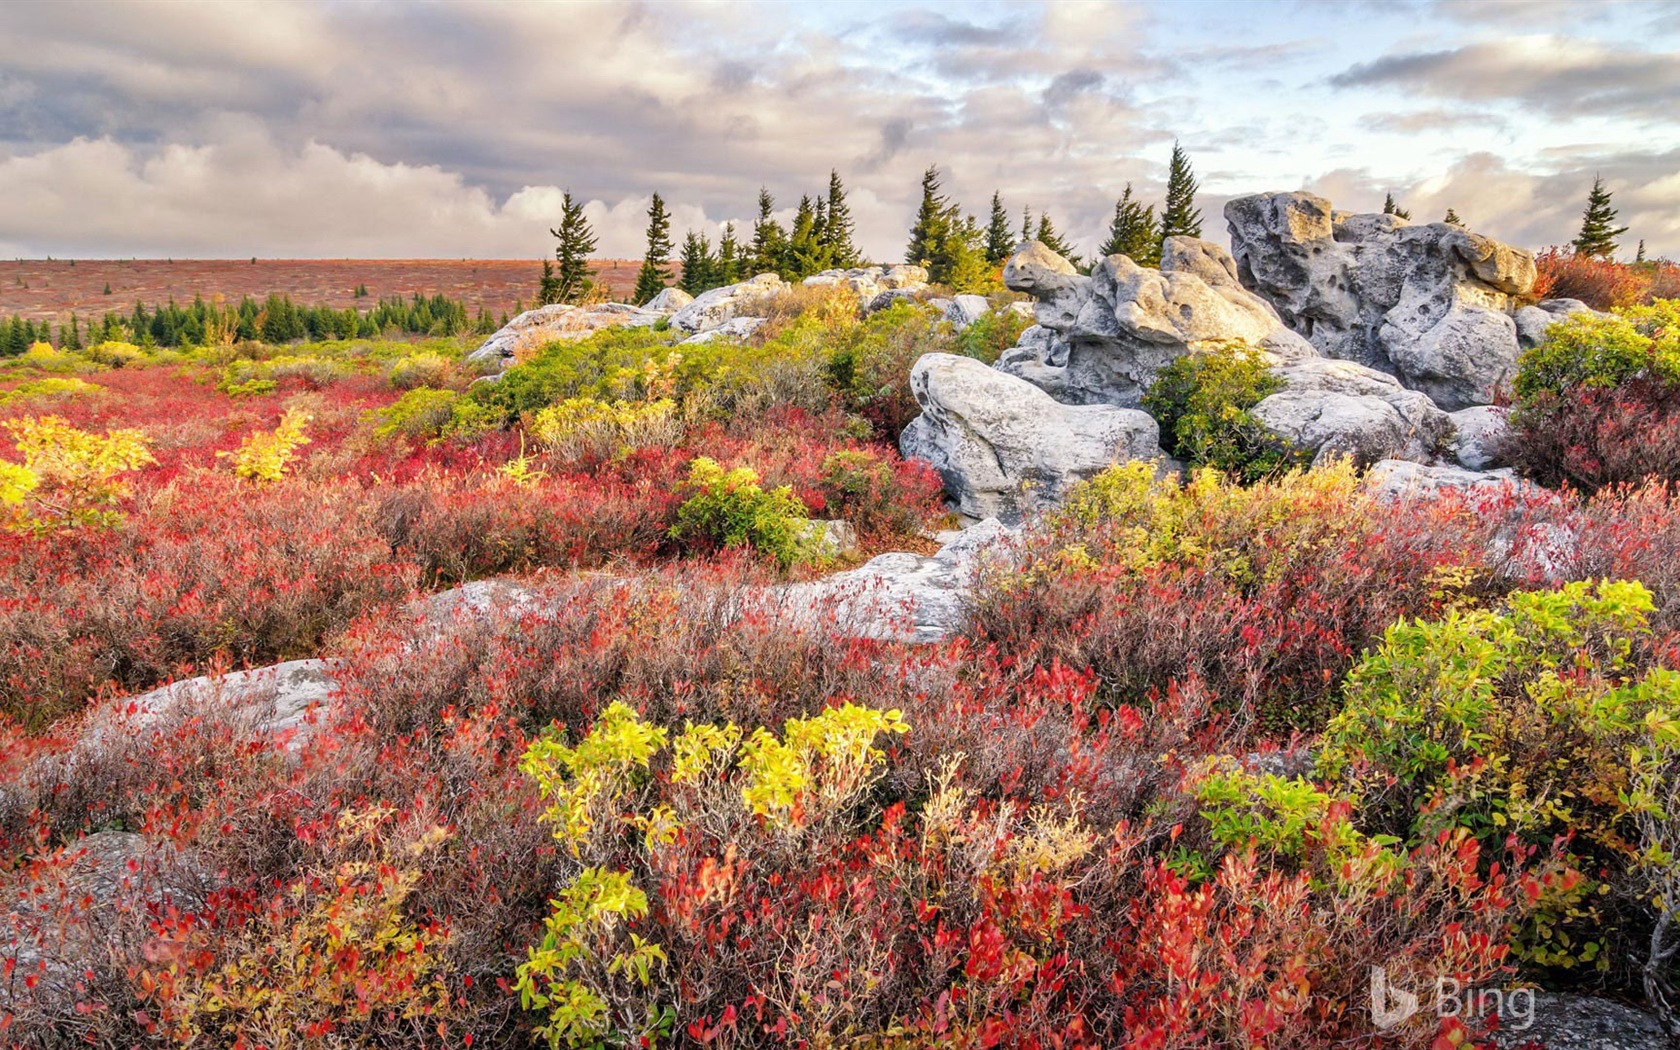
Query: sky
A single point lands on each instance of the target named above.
(450, 129)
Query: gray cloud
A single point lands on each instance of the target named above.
(1558, 75)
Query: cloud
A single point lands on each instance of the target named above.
(1553, 74)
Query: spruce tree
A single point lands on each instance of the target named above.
(577, 241)
(1598, 226)
(769, 243)
(728, 256)
(70, 337)
(1452, 218)
(655, 273)
(699, 267)
(1391, 208)
(1179, 215)
(1000, 239)
(838, 226)
(806, 253)
(1133, 232)
(932, 228)
(1639, 255)
(1026, 223)
(548, 288)
(1047, 235)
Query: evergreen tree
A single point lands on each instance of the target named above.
(1133, 232)
(548, 288)
(769, 243)
(1047, 235)
(1026, 223)
(577, 241)
(70, 336)
(1639, 255)
(1452, 218)
(728, 256)
(1179, 215)
(655, 273)
(699, 266)
(805, 253)
(837, 226)
(1000, 239)
(962, 257)
(1391, 208)
(1598, 226)
(932, 228)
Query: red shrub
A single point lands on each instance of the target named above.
(1602, 284)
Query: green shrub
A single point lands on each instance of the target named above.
(1202, 403)
(584, 428)
(422, 414)
(987, 338)
(1596, 351)
(422, 369)
(608, 364)
(729, 509)
(869, 363)
(1531, 722)
(867, 491)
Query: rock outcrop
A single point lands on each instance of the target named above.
(717, 307)
(1533, 321)
(871, 282)
(1431, 304)
(1402, 479)
(1109, 334)
(560, 322)
(1340, 408)
(1478, 435)
(1002, 445)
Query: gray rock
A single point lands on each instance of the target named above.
(80, 916)
(1113, 331)
(275, 701)
(1401, 479)
(668, 301)
(734, 328)
(1003, 445)
(560, 322)
(1339, 408)
(830, 538)
(967, 309)
(871, 282)
(1565, 1021)
(899, 596)
(1479, 432)
(886, 299)
(718, 306)
(1429, 303)
(1533, 321)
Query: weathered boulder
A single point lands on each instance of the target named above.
(734, 328)
(967, 309)
(1533, 321)
(899, 596)
(1568, 1021)
(830, 537)
(560, 322)
(1003, 445)
(1479, 432)
(1113, 331)
(1402, 479)
(870, 282)
(273, 702)
(668, 301)
(718, 306)
(1431, 304)
(1338, 408)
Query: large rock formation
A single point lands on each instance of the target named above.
(1002, 445)
(1431, 304)
(1339, 408)
(1101, 339)
(558, 323)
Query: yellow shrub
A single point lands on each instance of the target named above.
(583, 426)
(69, 476)
(265, 455)
(51, 387)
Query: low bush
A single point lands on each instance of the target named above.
(1202, 400)
(1603, 284)
(584, 430)
(724, 509)
(421, 414)
(877, 495)
(1599, 401)
(266, 455)
(1529, 724)
(69, 477)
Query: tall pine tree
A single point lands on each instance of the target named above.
(728, 256)
(1391, 208)
(699, 267)
(1000, 239)
(1638, 255)
(577, 241)
(837, 226)
(1179, 215)
(933, 223)
(1598, 226)
(655, 273)
(1047, 235)
(769, 243)
(1133, 232)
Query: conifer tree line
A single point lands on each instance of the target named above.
(273, 320)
